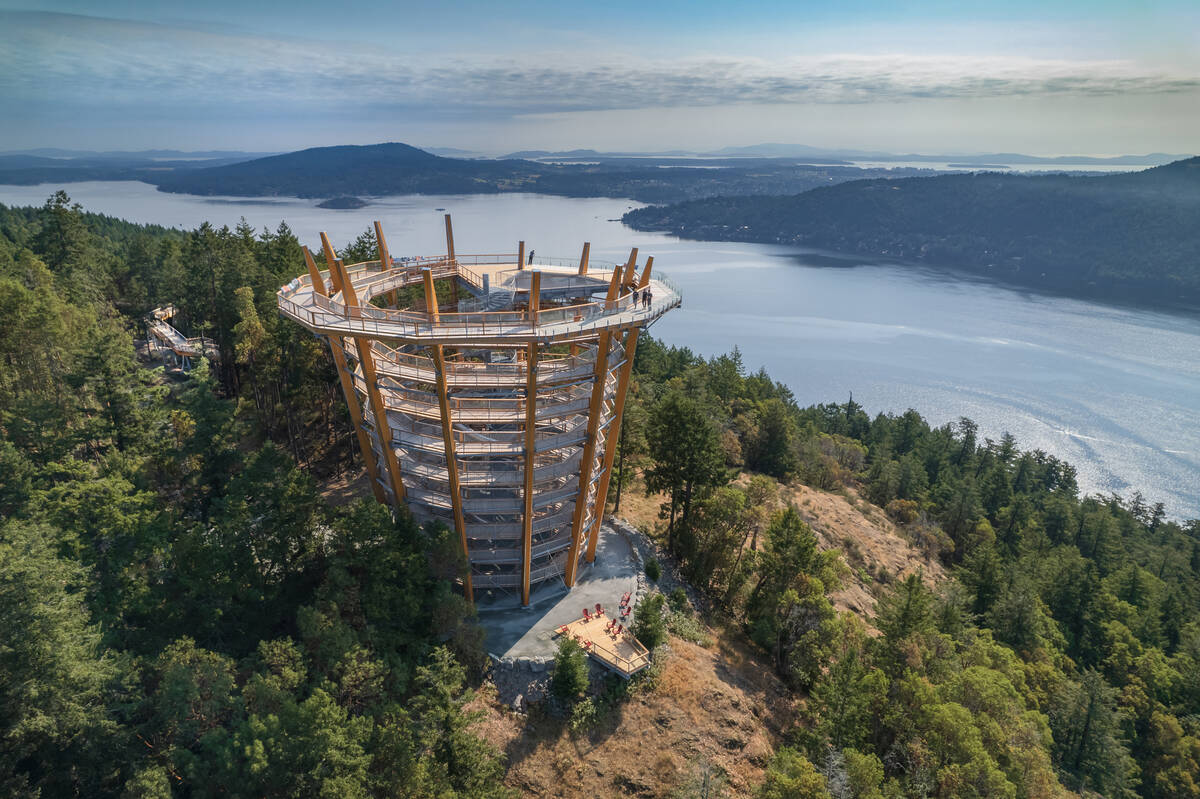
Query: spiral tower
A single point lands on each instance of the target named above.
(487, 392)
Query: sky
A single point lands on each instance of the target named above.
(1046, 78)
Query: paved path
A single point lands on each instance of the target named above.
(517, 632)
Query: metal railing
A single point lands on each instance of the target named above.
(322, 313)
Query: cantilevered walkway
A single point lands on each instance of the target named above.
(487, 391)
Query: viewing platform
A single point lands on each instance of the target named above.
(485, 276)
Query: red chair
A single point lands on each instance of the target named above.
(587, 644)
(563, 630)
(620, 629)
(599, 609)
(587, 615)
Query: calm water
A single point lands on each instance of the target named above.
(1116, 391)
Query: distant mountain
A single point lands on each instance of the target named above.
(985, 160)
(137, 155)
(454, 152)
(371, 170)
(48, 164)
(394, 168)
(1130, 235)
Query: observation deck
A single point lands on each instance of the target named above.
(487, 391)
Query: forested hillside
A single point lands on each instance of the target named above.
(1064, 653)
(182, 614)
(1119, 236)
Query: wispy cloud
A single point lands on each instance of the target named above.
(87, 61)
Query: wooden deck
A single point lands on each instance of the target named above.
(623, 654)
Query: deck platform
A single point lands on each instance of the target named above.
(622, 653)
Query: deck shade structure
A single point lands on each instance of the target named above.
(487, 391)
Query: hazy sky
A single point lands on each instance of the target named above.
(1040, 77)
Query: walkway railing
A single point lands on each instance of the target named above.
(321, 312)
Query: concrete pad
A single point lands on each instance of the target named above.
(516, 632)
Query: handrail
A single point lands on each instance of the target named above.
(386, 322)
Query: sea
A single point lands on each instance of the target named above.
(1113, 389)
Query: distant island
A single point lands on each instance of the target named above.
(323, 173)
(1125, 236)
(978, 166)
(343, 203)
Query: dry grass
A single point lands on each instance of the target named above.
(721, 708)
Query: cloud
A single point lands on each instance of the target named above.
(85, 61)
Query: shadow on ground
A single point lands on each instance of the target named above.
(517, 632)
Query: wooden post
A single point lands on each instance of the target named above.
(382, 428)
(614, 287)
(431, 302)
(452, 461)
(583, 259)
(610, 445)
(449, 239)
(535, 296)
(629, 269)
(330, 256)
(336, 347)
(385, 258)
(645, 281)
(530, 445)
(520, 255)
(599, 379)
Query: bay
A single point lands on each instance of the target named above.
(1114, 390)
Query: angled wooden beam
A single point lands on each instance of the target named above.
(610, 445)
(645, 281)
(383, 428)
(599, 379)
(583, 259)
(520, 255)
(449, 239)
(314, 274)
(335, 275)
(456, 500)
(431, 301)
(535, 296)
(337, 349)
(614, 286)
(385, 258)
(531, 359)
(629, 270)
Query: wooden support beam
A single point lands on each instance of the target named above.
(645, 281)
(614, 286)
(627, 279)
(431, 301)
(531, 359)
(535, 296)
(599, 379)
(337, 348)
(335, 275)
(365, 359)
(449, 239)
(583, 259)
(520, 255)
(385, 258)
(610, 445)
(456, 500)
